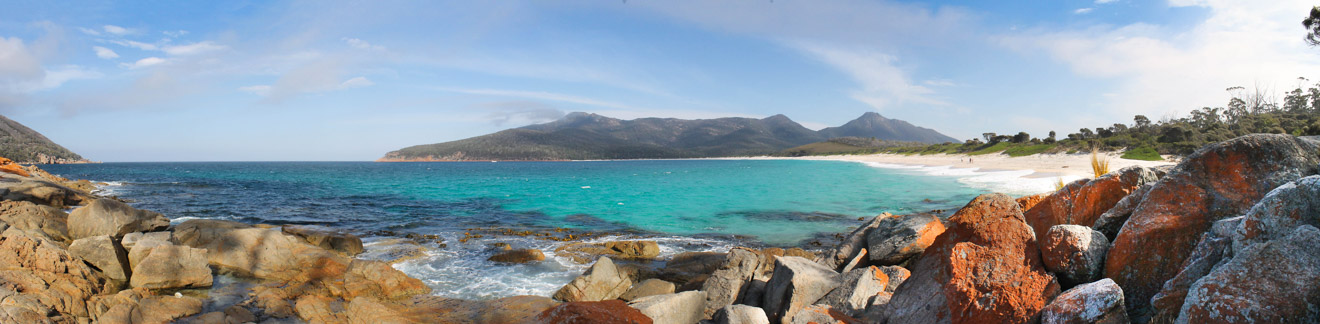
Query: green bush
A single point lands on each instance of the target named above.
(1144, 153)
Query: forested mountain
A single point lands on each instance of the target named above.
(24, 145)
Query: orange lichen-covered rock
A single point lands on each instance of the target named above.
(1219, 181)
(895, 239)
(1083, 201)
(1026, 202)
(609, 311)
(8, 166)
(986, 268)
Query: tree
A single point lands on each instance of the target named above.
(1141, 121)
(1021, 137)
(1050, 139)
(989, 137)
(1312, 25)
(1087, 133)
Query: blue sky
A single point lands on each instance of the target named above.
(328, 80)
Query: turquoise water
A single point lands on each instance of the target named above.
(688, 205)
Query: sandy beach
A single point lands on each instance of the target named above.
(1042, 165)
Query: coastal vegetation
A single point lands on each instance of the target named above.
(24, 145)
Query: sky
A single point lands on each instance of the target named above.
(347, 80)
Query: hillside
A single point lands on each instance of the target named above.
(583, 136)
(24, 145)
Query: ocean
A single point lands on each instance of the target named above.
(685, 205)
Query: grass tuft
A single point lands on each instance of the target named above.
(1099, 165)
(1058, 184)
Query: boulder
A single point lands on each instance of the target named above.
(875, 311)
(1112, 220)
(986, 267)
(43, 193)
(518, 256)
(1269, 282)
(171, 267)
(741, 314)
(627, 250)
(1211, 250)
(609, 311)
(820, 314)
(796, 284)
(852, 243)
(28, 216)
(648, 287)
(370, 310)
(896, 275)
(203, 232)
(326, 238)
(1218, 181)
(899, 238)
(141, 247)
(1096, 302)
(260, 252)
(686, 266)
(379, 280)
(1075, 253)
(1082, 202)
(516, 309)
(131, 239)
(602, 281)
(46, 275)
(681, 308)
(152, 309)
(1027, 202)
(320, 309)
(855, 294)
(726, 284)
(111, 217)
(104, 254)
(1280, 212)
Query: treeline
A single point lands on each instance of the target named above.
(1296, 112)
(849, 145)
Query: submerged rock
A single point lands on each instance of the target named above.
(518, 256)
(628, 250)
(1075, 253)
(602, 281)
(899, 238)
(110, 217)
(1096, 302)
(985, 268)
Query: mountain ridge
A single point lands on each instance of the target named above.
(587, 136)
(27, 146)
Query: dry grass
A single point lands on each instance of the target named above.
(1099, 165)
(1058, 184)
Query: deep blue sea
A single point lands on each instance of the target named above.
(686, 205)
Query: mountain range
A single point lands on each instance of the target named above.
(24, 145)
(585, 136)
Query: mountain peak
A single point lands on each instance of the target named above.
(872, 115)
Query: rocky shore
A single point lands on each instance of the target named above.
(1228, 235)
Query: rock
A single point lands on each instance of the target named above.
(602, 281)
(726, 284)
(152, 309)
(796, 284)
(821, 314)
(203, 232)
(1027, 202)
(142, 246)
(1082, 202)
(8, 166)
(688, 265)
(609, 311)
(231, 315)
(753, 293)
(110, 217)
(896, 275)
(326, 238)
(1096, 302)
(741, 314)
(898, 238)
(1112, 220)
(258, 252)
(681, 308)
(516, 309)
(855, 294)
(627, 250)
(1269, 282)
(28, 216)
(1075, 253)
(43, 193)
(370, 310)
(379, 280)
(1211, 250)
(42, 272)
(172, 266)
(986, 267)
(1219, 181)
(648, 287)
(875, 311)
(394, 251)
(851, 244)
(1280, 212)
(518, 256)
(131, 239)
(320, 309)
(104, 254)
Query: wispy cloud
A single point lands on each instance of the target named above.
(882, 82)
(116, 30)
(1083, 11)
(192, 49)
(361, 44)
(105, 53)
(1104, 1)
(145, 62)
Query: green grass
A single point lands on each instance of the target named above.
(1143, 153)
(1028, 149)
(998, 147)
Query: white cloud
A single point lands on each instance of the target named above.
(940, 83)
(192, 49)
(175, 34)
(61, 74)
(112, 29)
(357, 82)
(135, 44)
(361, 44)
(260, 90)
(17, 62)
(89, 31)
(1083, 11)
(882, 82)
(150, 61)
(105, 53)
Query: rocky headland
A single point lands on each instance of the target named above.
(1228, 235)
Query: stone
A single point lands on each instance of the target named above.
(260, 252)
(1112, 220)
(326, 238)
(609, 311)
(9, 166)
(232, 315)
(131, 239)
(625, 250)
(986, 267)
(42, 272)
(379, 280)
(852, 243)
(1096, 302)
(1082, 202)
(103, 253)
(1075, 253)
(681, 308)
(1027, 202)
(110, 217)
(1218, 181)
(602, 281)
(648, 287)
(320, 309)
(369, 310)
(796, 284)
(875, 311)
(43, 193)
(896, 276)
(152, 309)
(1280, 212)
(726, 284)
(518, 256)
(820, 314)
(171, 267)
(1269, 282)
(741, 314)
(516, 309)
(685, 266)
(142, 246)
(28, 216)
(855, 294)
(899, 238)
(203, 232)
(1210, 251)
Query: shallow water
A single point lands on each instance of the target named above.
(686, 205)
